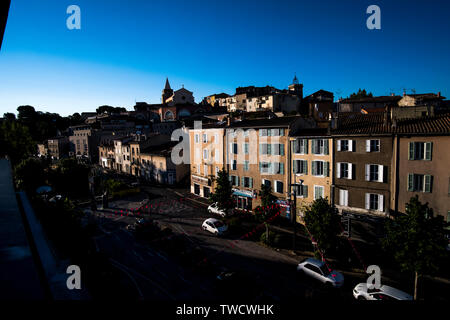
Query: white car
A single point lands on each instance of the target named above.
(318, 270)
(385, 293)
(214, 226)
(214, 209)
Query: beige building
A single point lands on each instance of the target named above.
(206, 157)
(258, 153)
(155, 165)
(311, 167)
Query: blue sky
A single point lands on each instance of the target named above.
(126, 49)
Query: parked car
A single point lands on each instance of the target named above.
(385, 293)
(214, 226)
(214, 209)
(318, 270)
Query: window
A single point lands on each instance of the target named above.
(245, 148)
(217, 171)
(246, 165)
(247, 182)
(265, 148)
(343, 197)
(420, 150)
(302, 191)
(197, 138)
(301, 146)
(217, 155)
(420, 182)
(234, 165)
(271, 132)
(344, 170)
(278, 149)
(320, 168)
(246, 132)
(345, 145)
(372, 145)
(216, 138)
(300, 167)
(278, 187)
(234, 180)
(233, 148)
(375, 172)
(265, 167)
(374, 202)
(278, 168)
(318, 192)
(198, 169)
(205, 138)
(319, 146)
(266, 182)
(205, 154)
(205, 169)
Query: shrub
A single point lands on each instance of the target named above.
(271, 238)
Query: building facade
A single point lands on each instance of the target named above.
(311, 167)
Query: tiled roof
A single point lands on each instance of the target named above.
(255, 123)
(379, 99)
(373, 123)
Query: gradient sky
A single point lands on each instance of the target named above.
(126, 49)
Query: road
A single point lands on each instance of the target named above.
(159, 277)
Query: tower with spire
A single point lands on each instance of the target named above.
(167, 92)
(296, 87)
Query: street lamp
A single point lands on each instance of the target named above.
(294, 209)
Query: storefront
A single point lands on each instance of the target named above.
(243, 199)
(201, 186)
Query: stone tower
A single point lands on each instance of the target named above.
(167, 92)
(296, 87)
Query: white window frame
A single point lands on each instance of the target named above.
(205, 170)
(339, 170)
(369, 145)
(276, 186)
(380, 172)
(380, 200)
(320, 187)
(196, 138)
(343, 197)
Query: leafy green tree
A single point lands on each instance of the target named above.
(30, 174)
(223, 191)
(267, 200)
(9, 116)
(16, 141)
(361, 94)
(416, 240)
(71, 177)
(322, 221)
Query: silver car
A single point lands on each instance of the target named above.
(384, 293)
(318, 270)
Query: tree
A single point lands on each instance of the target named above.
(109, 109)
(361, 94)
(267, 199)
(16, 141)
(416, 240)
(9, 116)
(30, 174)
(223, 191)
(322, 221)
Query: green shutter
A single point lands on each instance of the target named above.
(251, 182)
(410, 182)
(305, 191)
(305, 167)
(281, 168)
(326, 166)
(428, 150)
(295, 166)
(314, 168)
(281, 149)
(428, 183)
(306, 146)
(313, 146)
(242, 181)
(411, 151)
(269, 148)
(325, 146)
(260, 166)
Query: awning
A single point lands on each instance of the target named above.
(241, 194)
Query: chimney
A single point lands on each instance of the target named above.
(404, 92)
(439, 94)
(392, 94)
(228, 120)
(334, 120)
